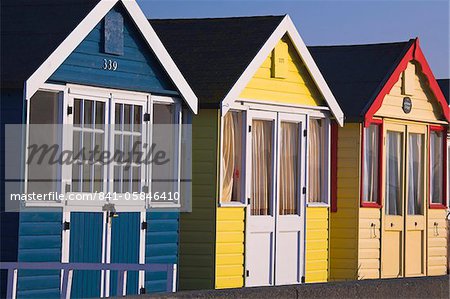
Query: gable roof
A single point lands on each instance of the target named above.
(219, 56)
(444, 84)
(361, 75)
(38, 35)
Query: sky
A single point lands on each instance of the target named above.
(334, 22)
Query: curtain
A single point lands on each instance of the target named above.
(227, 158)
(437, 167)
(393, 173)
(315, 161)
(415, 174)
(370, 174)
(231, 157)
(288, 168)
(261, 167)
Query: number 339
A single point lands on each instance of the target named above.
(110, 65)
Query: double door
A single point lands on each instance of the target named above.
(276, 155)
(404, 217)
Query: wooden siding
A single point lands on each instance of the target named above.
(344, 222)
(10, 113)
(425, 107)
(437, 242)
(40, 239)
(138, 68)
(369, 243)
(297, 88)
(125, 245)
(230, 247)
(316, 244)
(198, 228)
(161, 246)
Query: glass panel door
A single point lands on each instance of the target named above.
(394, 173)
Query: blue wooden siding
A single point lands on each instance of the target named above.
(161, 246)
(125, 239)
(86, 231)
(138, 69)
(10, 113)
(40, 236)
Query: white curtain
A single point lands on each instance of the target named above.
(231, 157)
(288, 168)
(415, 174)
(262, 163)
(437, 167)
(370, 166)
(393, 173)
(315, 160)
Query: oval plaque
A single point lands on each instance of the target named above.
(407, 105)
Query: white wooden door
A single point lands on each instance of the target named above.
(260, 232)
(289, 249)
(274, 253)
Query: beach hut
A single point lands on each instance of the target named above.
(389, 216)
(261, 153)
(98, 68)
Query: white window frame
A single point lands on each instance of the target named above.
(326, 182)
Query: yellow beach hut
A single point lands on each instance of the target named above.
(261, 153)
(389, 219)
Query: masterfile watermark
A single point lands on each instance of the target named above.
(62, 164)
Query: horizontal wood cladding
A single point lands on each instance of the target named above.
(316, 244)
(296, 88)
(230, 247)
(437, 242)
(198, 228)
(369, 245)
(137, 69)
(425, 106)
(344, 222)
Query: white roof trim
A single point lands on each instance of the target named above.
(286, 26)
(52, 63)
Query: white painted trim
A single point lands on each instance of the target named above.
(286, 26)
(160, 51)
(51, 64)
(274, 103)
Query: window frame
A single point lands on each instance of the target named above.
(378, 204)
(67, 93)
(326, 179)
(443, 131)
(243, 201)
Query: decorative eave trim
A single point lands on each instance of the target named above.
(413, 53)
(286, 26)
(51, 64)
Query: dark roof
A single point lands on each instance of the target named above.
(31, 30)
(357, 73)
(444, 84)
(213, 53)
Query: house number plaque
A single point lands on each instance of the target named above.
(407, 105)
(110, 65)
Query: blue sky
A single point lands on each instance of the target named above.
(337, 22)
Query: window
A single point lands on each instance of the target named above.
(437, 166)
(415, 168)
(88, 134)
(262, 164)
(394, 173)
(289, 162)
(317, 162)
(371, 165)
(43, 132)
(232, 155)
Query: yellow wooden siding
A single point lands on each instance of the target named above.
(316, 244)
(437, 242)
(230, 247)
(344, 222)
(296, 88)
(424, 105)
(198, 229)
(369, 243)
